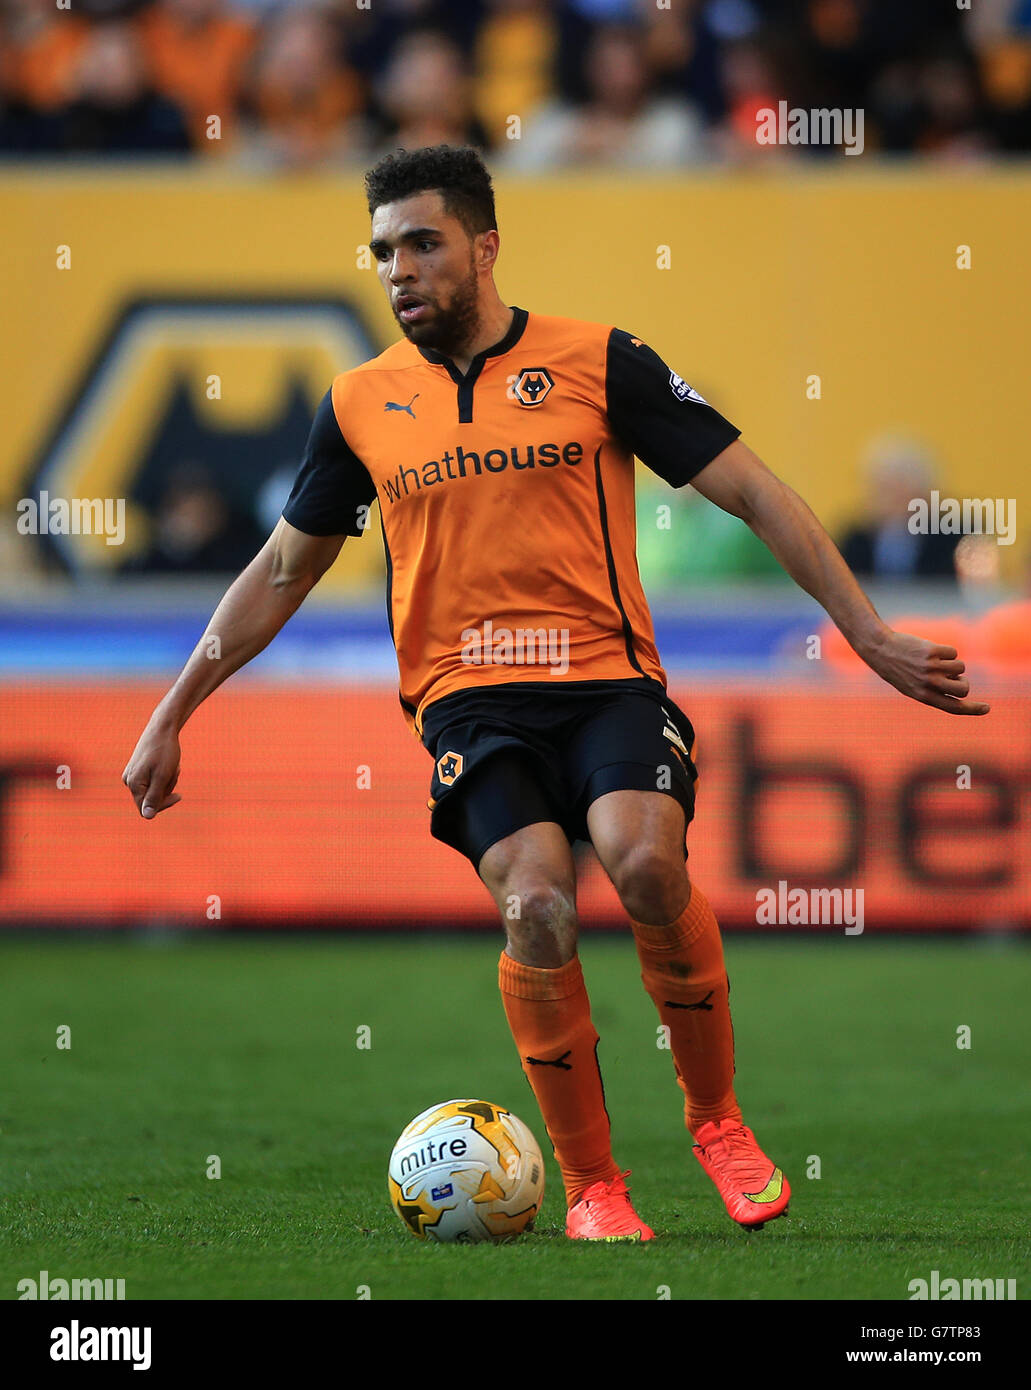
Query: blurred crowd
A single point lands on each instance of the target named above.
(533, 83)
(881, 544)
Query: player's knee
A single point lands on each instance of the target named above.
(652, 887)
(540, 921)
(541, 906)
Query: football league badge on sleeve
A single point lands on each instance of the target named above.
(683, 392)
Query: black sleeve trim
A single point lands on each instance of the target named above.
(332, 483)
(658, 415)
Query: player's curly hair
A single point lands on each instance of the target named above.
(456, 170)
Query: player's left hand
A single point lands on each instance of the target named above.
(925, 671)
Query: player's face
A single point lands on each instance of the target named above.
(426, 265)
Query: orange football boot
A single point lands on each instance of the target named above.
(753, 1188)
(604, 1213)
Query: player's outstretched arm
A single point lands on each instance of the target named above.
(255, 607)
(738, 481)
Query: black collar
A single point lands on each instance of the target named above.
(515, 332)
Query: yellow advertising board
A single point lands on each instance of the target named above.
(816, 310)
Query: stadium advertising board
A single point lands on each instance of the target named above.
(307, 809)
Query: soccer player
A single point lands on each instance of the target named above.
(500, 444)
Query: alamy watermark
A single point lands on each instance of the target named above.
(971, 516)
(993, 1290)
(79, 1343)
(46, 1287)
(521, 646)
(72, 516)
(823, 125)
(810, 907)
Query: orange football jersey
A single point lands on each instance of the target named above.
(507, 499)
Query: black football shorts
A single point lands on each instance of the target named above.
(507, 756)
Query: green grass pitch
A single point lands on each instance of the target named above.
(246, 1049)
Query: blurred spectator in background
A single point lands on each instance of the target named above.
(77, 84)
(39, 52)
(624, 121)
(373, 34)
(198, 51)
(1000, 34)
(882, 546)
(305, 100)
(751, 86)
(830, 58)
(514, 63)
(685, 48)
(196, 530)
(114, 109)
(976, 558)
(618, 82)
(952, 117)
(908, 66)
(425, 96)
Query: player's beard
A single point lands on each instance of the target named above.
(454, 325)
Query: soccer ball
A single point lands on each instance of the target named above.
(466, 1171)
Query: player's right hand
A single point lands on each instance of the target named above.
(153, 770)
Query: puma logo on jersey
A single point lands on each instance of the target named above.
(393, 405)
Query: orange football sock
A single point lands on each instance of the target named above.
(683, 971)
(550, 1017)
